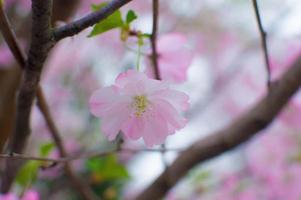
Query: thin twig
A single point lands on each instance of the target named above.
(153, 39)
(83, 156)
(263, 36)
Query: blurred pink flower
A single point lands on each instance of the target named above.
(139, 107)
(285, 58)
(5, 56)
(29, 195)
(173, 59)
(266, 160)
(291, 115)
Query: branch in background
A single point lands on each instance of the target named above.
(263, 36)
(11, 40)
(89, 20)
(238, 132)
(9, 83)
(78, 184)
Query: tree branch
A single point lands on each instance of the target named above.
(89, 20)
(11, 40)
(238, 132)
(41, 43)
(263, 36)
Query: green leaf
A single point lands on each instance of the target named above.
(200, 176)
(130, 16)
(147, 35)
(46, 149)
(95, 7)
(111, 22)
(28, 173)
(108, 168)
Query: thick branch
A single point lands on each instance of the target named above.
(41, 43)
(11, 40)
(89, 20)
(263, 36)
(239, 131)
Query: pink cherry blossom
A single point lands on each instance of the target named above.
(139, 107)
(174, 59)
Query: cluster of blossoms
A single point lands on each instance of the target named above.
(139, 107)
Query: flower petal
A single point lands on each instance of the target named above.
(101, 100)
(155, 130)
(179, 100)
(133, 127)
(171, 42)
(114, 119)
(173, 66)
(170, 114)
(129, 77)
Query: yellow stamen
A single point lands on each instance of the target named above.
(140, 104)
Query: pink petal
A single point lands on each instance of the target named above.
(174, 59)
(31, 195)
(101, 100)
(179, 100)
(155, 129)
(171, 42)
(170, 114)
(135, 88)
(128, 77)
(174, 66)
(141, 86)
(115, 118)
(132, 128)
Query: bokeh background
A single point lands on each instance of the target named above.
(226, 76)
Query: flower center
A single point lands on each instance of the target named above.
(140, 104)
